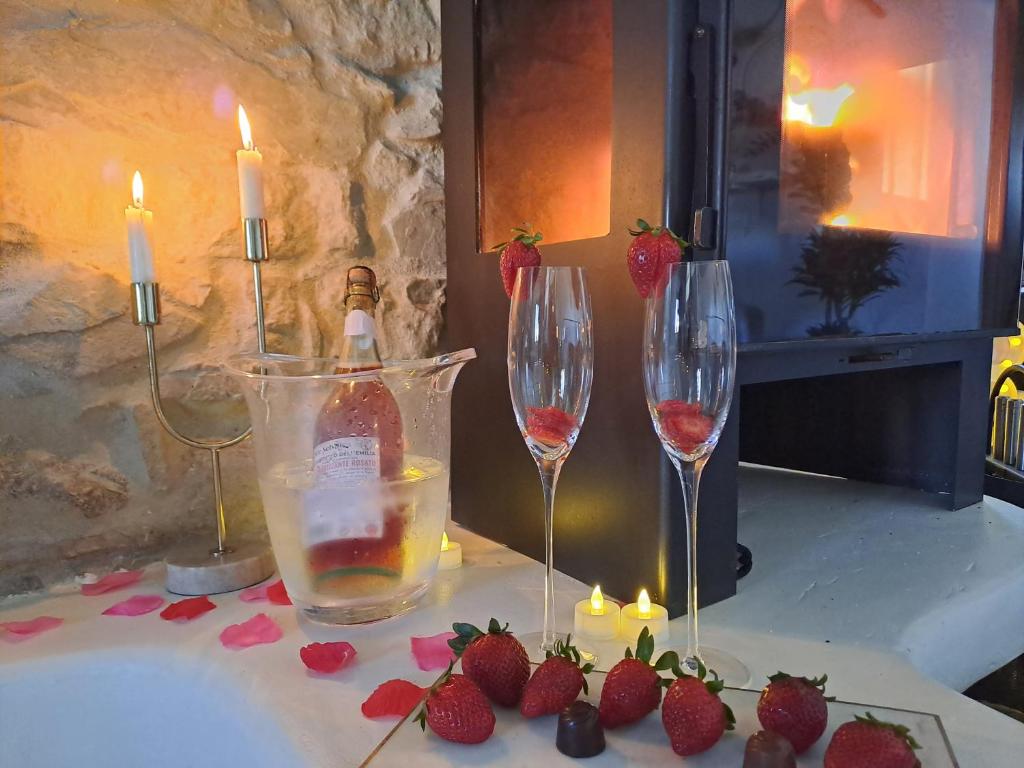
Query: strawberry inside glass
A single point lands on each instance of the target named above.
(684, 425)
(551, 426)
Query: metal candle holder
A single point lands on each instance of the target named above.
(226, 567)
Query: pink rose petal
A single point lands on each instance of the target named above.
(277, 594)
(111, 582)
(327, 658)
(254, 594)
(259, 629)
(135, 606)
(395, 698)
(433, 652)
(16, 631)
(187, 609)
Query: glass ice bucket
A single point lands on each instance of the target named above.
(353, 546)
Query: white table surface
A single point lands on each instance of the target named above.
(781, 619)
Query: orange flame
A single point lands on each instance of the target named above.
(818, 107)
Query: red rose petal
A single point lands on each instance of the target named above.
(136, 605)
(433, 652)
(187, 609)
(395, 698)
(549, 425)
(111, 581)
(259, 629)
(327, 658)
(254, 594)
(684, 425)
(277, 594)
(16, 631)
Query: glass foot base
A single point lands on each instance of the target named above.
(728, 668)
(533, 641)
(360, 613)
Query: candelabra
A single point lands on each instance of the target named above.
(226, 567)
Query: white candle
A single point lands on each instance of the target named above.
(596, 618)
(644, 613)
(250, 172)
(451, 554)
(140, 235)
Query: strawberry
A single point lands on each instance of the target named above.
(869, 741)
(495, 661)
(551, 426)
(652, 247)
(520, 251)
(632, 688)
(456, 710)
(683, 424)
(693, 715)
(556, 683)
(794, 707)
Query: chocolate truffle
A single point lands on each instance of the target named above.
(579, 731)
(766, 749)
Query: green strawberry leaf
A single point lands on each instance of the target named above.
(900, 730)
(467, 633)
(645, 645)
(730, 718)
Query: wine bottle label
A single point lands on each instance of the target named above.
(347, 460)
(347, 503)
(342, 513)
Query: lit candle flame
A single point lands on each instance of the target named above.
(643, 605)
(842, 220)
(597, 602)
(137, 190)
(243, 125)
(444, 542)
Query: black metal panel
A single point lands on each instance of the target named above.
(903, 412)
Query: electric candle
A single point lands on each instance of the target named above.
(644, 613)
(596, 618)
(140, 235)
(451, 554)
(250, 172)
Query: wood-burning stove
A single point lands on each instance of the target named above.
(859, 162)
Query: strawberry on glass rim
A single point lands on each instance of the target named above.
(519, 251)
(683, 425)
(651, 249)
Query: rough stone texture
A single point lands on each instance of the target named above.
(344, 101)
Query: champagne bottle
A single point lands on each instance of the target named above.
(359, 431)
(353, 526)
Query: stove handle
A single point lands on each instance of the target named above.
(702, 71)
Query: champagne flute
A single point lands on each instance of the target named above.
(550, 370)
(689, 369)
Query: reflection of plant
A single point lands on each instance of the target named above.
(819, 175)
(845, 269)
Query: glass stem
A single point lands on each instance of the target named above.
(689, 476)
(549, 470)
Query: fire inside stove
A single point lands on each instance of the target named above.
(886, 117)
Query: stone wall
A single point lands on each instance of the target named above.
(343, 99)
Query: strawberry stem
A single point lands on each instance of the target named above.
(900, 730)
(642, 227)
